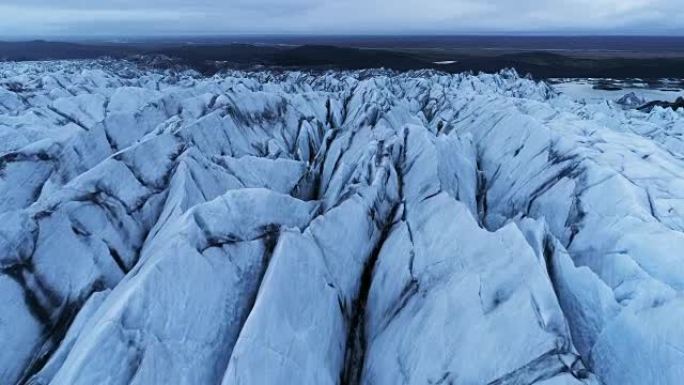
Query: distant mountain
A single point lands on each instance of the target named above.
(44, 50)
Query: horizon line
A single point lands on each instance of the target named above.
(73, 37)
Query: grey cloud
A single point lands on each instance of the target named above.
(330, 16)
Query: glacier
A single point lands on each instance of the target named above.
(340, 227)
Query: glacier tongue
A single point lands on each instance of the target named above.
(368, 227)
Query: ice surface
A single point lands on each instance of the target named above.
(369, 227)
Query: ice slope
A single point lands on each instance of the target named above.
(367, 227)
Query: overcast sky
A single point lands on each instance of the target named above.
(176, 17)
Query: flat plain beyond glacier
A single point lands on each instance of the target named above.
(646, 57)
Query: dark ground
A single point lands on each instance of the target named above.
(542, 57)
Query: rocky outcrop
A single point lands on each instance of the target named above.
(677, 104)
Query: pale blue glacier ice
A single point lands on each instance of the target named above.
(370, 227)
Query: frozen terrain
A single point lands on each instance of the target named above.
(640, 92)
(364, 227)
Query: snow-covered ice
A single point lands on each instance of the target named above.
(368, 227)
